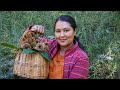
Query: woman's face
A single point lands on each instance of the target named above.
(64, 33)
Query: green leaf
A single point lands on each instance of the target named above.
(7, 45)
(28, 51)
(45, 55)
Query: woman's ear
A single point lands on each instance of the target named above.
(75, 32)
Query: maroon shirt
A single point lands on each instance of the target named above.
(76, 64)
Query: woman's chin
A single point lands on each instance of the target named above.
(63, 44)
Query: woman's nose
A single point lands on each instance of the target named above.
(62, 34)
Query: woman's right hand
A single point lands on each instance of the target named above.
(38, 28)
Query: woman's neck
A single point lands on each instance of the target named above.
(64, 49)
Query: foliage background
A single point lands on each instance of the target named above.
(98, 31)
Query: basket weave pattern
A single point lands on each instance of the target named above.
(32, 66)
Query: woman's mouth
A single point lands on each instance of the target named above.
(62, 40)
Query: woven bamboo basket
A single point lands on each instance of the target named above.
(32, 66)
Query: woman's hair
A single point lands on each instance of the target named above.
(72, 23)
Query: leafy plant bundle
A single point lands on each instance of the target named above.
(27, 50)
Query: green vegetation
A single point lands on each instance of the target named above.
(98, 31)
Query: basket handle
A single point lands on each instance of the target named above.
(44, 35)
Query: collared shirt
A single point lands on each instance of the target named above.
(76, 63)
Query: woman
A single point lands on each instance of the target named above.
(70, 61)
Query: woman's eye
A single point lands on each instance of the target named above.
(57, 31)
(66, 30)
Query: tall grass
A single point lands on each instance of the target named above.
(99, 31)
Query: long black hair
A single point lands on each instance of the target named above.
(72, 23)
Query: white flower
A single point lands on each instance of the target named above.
(109, 58)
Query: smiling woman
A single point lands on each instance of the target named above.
(69, 59)
(64, 34)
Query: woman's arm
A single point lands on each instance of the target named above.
(80, 69)
(35, 29)
(38, 29)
